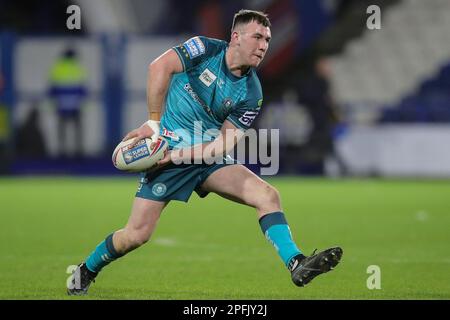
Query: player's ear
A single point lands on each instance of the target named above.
(235, 36)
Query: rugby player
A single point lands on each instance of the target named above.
(205, 84)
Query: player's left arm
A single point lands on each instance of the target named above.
(229, 136)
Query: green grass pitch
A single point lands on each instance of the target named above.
(213, 249)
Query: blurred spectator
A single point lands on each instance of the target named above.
(315, 95)
(29, 139)
(68, 90)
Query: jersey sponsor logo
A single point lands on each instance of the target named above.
(194, 47)
(197, 99)
(248, 117)
(207, 77)
(159, 189)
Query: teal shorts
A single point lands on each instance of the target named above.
(176, 182)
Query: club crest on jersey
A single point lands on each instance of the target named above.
(227, 103)
(248, 117)
(207, 77)
(194, 47)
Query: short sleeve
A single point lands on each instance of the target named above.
(192, 52)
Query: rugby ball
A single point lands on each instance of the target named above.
(140, 157)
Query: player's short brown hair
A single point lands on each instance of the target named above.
(245, 16)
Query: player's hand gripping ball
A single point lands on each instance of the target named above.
(140, 157)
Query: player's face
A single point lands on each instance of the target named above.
(254, 41)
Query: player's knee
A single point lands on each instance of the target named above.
(273, 196)
(137, 238)
(269, 198)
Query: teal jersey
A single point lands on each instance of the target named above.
(206, 93)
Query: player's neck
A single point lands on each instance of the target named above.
(232, 60)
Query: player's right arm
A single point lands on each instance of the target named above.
(159, 74)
